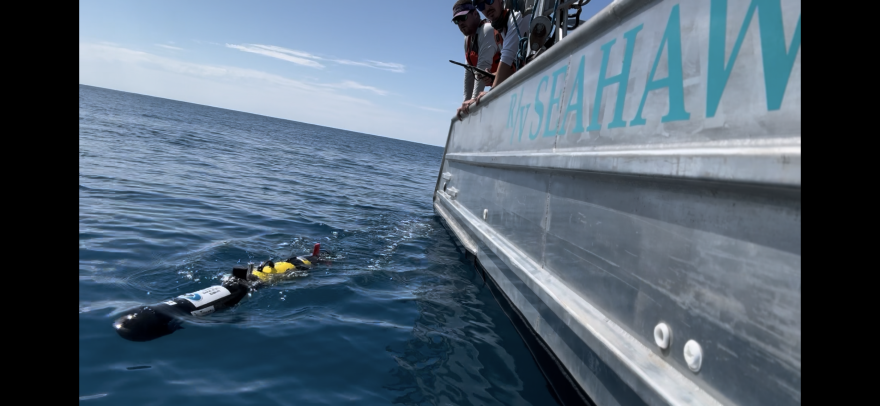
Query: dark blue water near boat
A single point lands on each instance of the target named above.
(172, 195)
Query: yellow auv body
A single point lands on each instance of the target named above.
(266, 273)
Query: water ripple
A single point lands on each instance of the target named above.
(173, 194)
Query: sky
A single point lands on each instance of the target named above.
(356, 65)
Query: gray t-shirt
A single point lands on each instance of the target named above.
(511, 39)
(486, 51)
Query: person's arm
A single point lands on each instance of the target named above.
(486, 53)
(469, 85)
(504, 72)
(508, 53)
(477, 85)
(510, 48)
(469, 81)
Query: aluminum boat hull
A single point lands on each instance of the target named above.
(646, 170)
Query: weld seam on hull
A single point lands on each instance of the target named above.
(775, 166)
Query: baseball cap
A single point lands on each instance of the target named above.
(461, 8)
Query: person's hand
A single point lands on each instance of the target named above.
(464, 108)
(479, 96)
(485, 79)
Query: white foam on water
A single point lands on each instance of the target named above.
(90, 397)
(116, 306)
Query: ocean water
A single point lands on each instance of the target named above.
(172, 195)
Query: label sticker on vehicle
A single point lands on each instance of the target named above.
(206, 296)
(207, 310)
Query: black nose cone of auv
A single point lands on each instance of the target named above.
(143, 324)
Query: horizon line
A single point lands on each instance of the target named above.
(261, 115)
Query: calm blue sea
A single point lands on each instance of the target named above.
(172, 195)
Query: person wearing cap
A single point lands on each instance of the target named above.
(480, 48)
(505, 21)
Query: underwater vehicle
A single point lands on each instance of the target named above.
(145, 323)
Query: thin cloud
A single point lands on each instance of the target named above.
(391, 67)
(220, 72)
(394, 67)
(253, 91)
(286, 51)
(307, 59)
(433, 109)
(261, 50)
(169, 47)
(348, 84)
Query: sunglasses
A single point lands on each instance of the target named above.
(460, 19)
(481, 4)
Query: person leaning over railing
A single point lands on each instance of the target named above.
(481, 49)
(511, 25)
